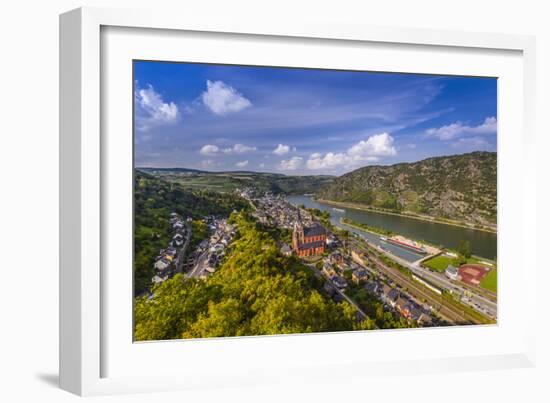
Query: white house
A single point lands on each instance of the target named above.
(161, 264)
(451, 272)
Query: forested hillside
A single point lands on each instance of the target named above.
(460, 187)
(256, 291)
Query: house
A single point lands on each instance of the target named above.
(177, 240)
(159, 279)
(339, 281)
(331, 241)
(359, 275)
(419, 316)
(336, 258)
(393, 296)
(403, 306)
(451, 272)
(371, 287)
(329, 288)
(213, 259)
(171, 251)
(178, 225)
(390, 295)
(385, 290)
(359, 258)
(328, 269)
(424, 319)
(344, 267)
(285, 250)
(162, 264)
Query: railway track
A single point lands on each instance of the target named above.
(444, 308)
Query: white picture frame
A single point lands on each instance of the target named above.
(85, 345)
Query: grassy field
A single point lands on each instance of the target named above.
(219, 183)
(489, 282)
(440, 263)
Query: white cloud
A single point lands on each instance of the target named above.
(262, 165)
(222, 99)
(151, 110)
(329, 161)
(239, 149)
(457, 129)
(209, 149)
(212, 150)
(379, 145)
(291, 164)
(281, 149)
(241, 164)
(370, 150)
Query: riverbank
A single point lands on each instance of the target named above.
(407, 215)
(367, 228)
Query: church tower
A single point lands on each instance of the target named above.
(297, 235)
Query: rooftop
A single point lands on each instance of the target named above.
(314, 230)
(311, 245)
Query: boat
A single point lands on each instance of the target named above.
(339, 210)
(383, 238)
(405, 245)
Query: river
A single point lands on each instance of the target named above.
(483, 244)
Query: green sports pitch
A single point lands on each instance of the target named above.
(489, 282)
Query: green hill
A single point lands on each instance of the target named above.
(230, 180)
(458, 187)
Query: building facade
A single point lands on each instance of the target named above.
(309, 241)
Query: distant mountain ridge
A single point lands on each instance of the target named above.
(231, 180)
(458, 187)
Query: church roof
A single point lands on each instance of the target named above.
(310, 245)
(315, 229)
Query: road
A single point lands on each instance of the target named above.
(361, 313)
(200, 266)
(444, 308)
(183, 251)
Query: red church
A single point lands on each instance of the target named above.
(308, 241)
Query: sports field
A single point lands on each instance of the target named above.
(489, 282)
(440, 263)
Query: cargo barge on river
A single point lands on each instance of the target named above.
(405, 244)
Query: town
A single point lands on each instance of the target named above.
(341, 266)
(349, 265)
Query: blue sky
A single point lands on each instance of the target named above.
(304, 121)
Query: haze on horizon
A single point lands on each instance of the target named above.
(304, 121)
